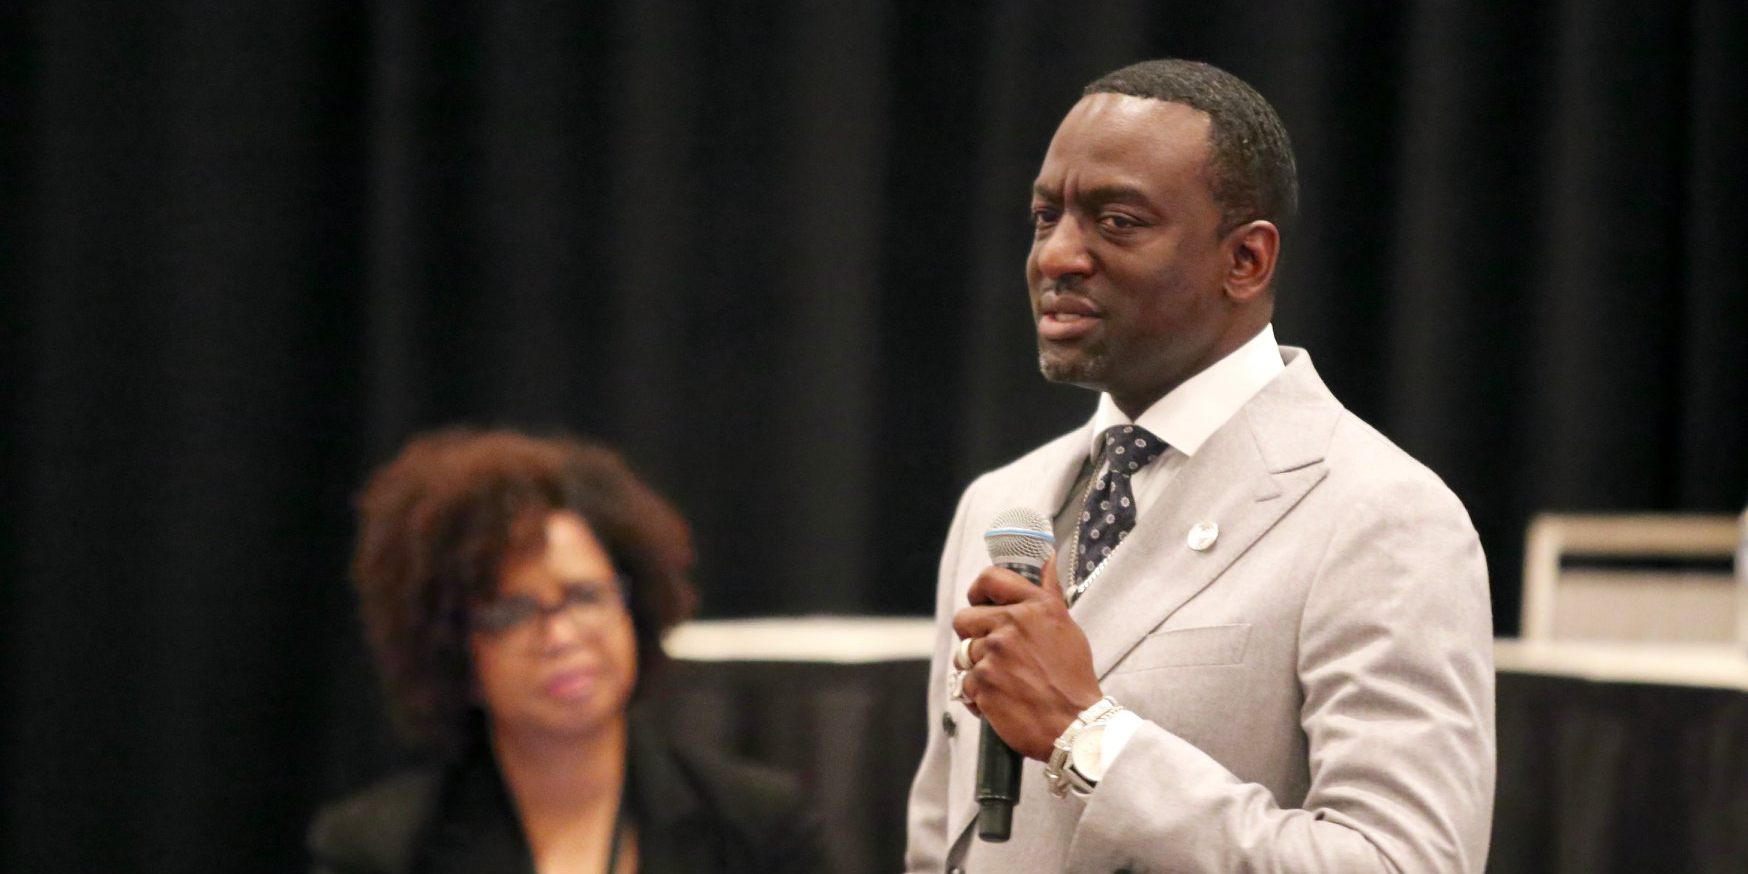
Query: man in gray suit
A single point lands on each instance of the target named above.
(1265, 641)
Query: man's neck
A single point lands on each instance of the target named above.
(1133, 404)
(1192, 410)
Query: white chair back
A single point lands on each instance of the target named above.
(1647, 586)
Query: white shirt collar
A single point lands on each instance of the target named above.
(1189, 414)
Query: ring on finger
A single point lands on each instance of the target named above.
(956, 686)
(962, 655)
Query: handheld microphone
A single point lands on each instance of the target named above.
(1019, 540)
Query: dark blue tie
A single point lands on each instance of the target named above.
(1109, 513)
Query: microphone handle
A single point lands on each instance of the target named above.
(998, 765)
(998, 786)
(1031, 573)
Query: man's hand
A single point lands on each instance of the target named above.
(1031, 668)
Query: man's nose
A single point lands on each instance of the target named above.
(1061, 251)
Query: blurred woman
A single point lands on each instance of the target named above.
(515, 591)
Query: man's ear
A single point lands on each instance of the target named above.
(1255, 247)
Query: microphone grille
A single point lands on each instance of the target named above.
(1020, 535)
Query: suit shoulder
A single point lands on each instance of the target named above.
(374, 828)
(1297, 420)
(1026, 467)
(1369, 461)
(1373, 484)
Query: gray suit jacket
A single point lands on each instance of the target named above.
(1317, 686)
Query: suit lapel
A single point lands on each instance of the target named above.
(1060, 463)
(1247, 476)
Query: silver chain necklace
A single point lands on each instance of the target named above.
(1076, 589)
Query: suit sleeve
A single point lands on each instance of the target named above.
(926, 819)
(1395, 668)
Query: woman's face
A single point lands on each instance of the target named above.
(554, 654)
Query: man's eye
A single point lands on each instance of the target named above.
(1043, 215)
(1119, 222)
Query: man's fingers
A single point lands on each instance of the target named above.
(1052, 585)
(993, 595)
(998, 586)
(979, 621)
(970, 695)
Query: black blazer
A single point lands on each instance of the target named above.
(693, 812)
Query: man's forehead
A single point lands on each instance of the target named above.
(1110, 110)
(1097, 189)
(1115, 141)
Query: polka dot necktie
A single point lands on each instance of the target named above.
(1109, 513)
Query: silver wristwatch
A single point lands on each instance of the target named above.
(1060, 770)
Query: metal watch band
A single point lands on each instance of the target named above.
(1057, 771)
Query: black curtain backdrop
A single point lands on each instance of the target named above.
(772, 250)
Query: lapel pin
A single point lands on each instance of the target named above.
(1203, 535)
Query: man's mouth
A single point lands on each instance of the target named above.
(1066, 318)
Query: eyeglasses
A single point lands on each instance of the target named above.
(589, 603)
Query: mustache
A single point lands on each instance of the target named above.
(1075, 287)
(1067, 300)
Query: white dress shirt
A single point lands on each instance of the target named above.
(1189, 414)
(1185, 418)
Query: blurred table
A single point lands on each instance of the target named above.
(1621, 757)
(1612, 758)
(839, 702)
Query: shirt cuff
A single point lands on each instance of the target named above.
(1118, 729)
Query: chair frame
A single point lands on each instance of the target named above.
(1640, 535)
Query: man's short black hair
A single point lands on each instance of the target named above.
(1249, 155)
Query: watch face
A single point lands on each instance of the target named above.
(1085, 752)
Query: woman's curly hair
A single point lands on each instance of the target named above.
(435, 526)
